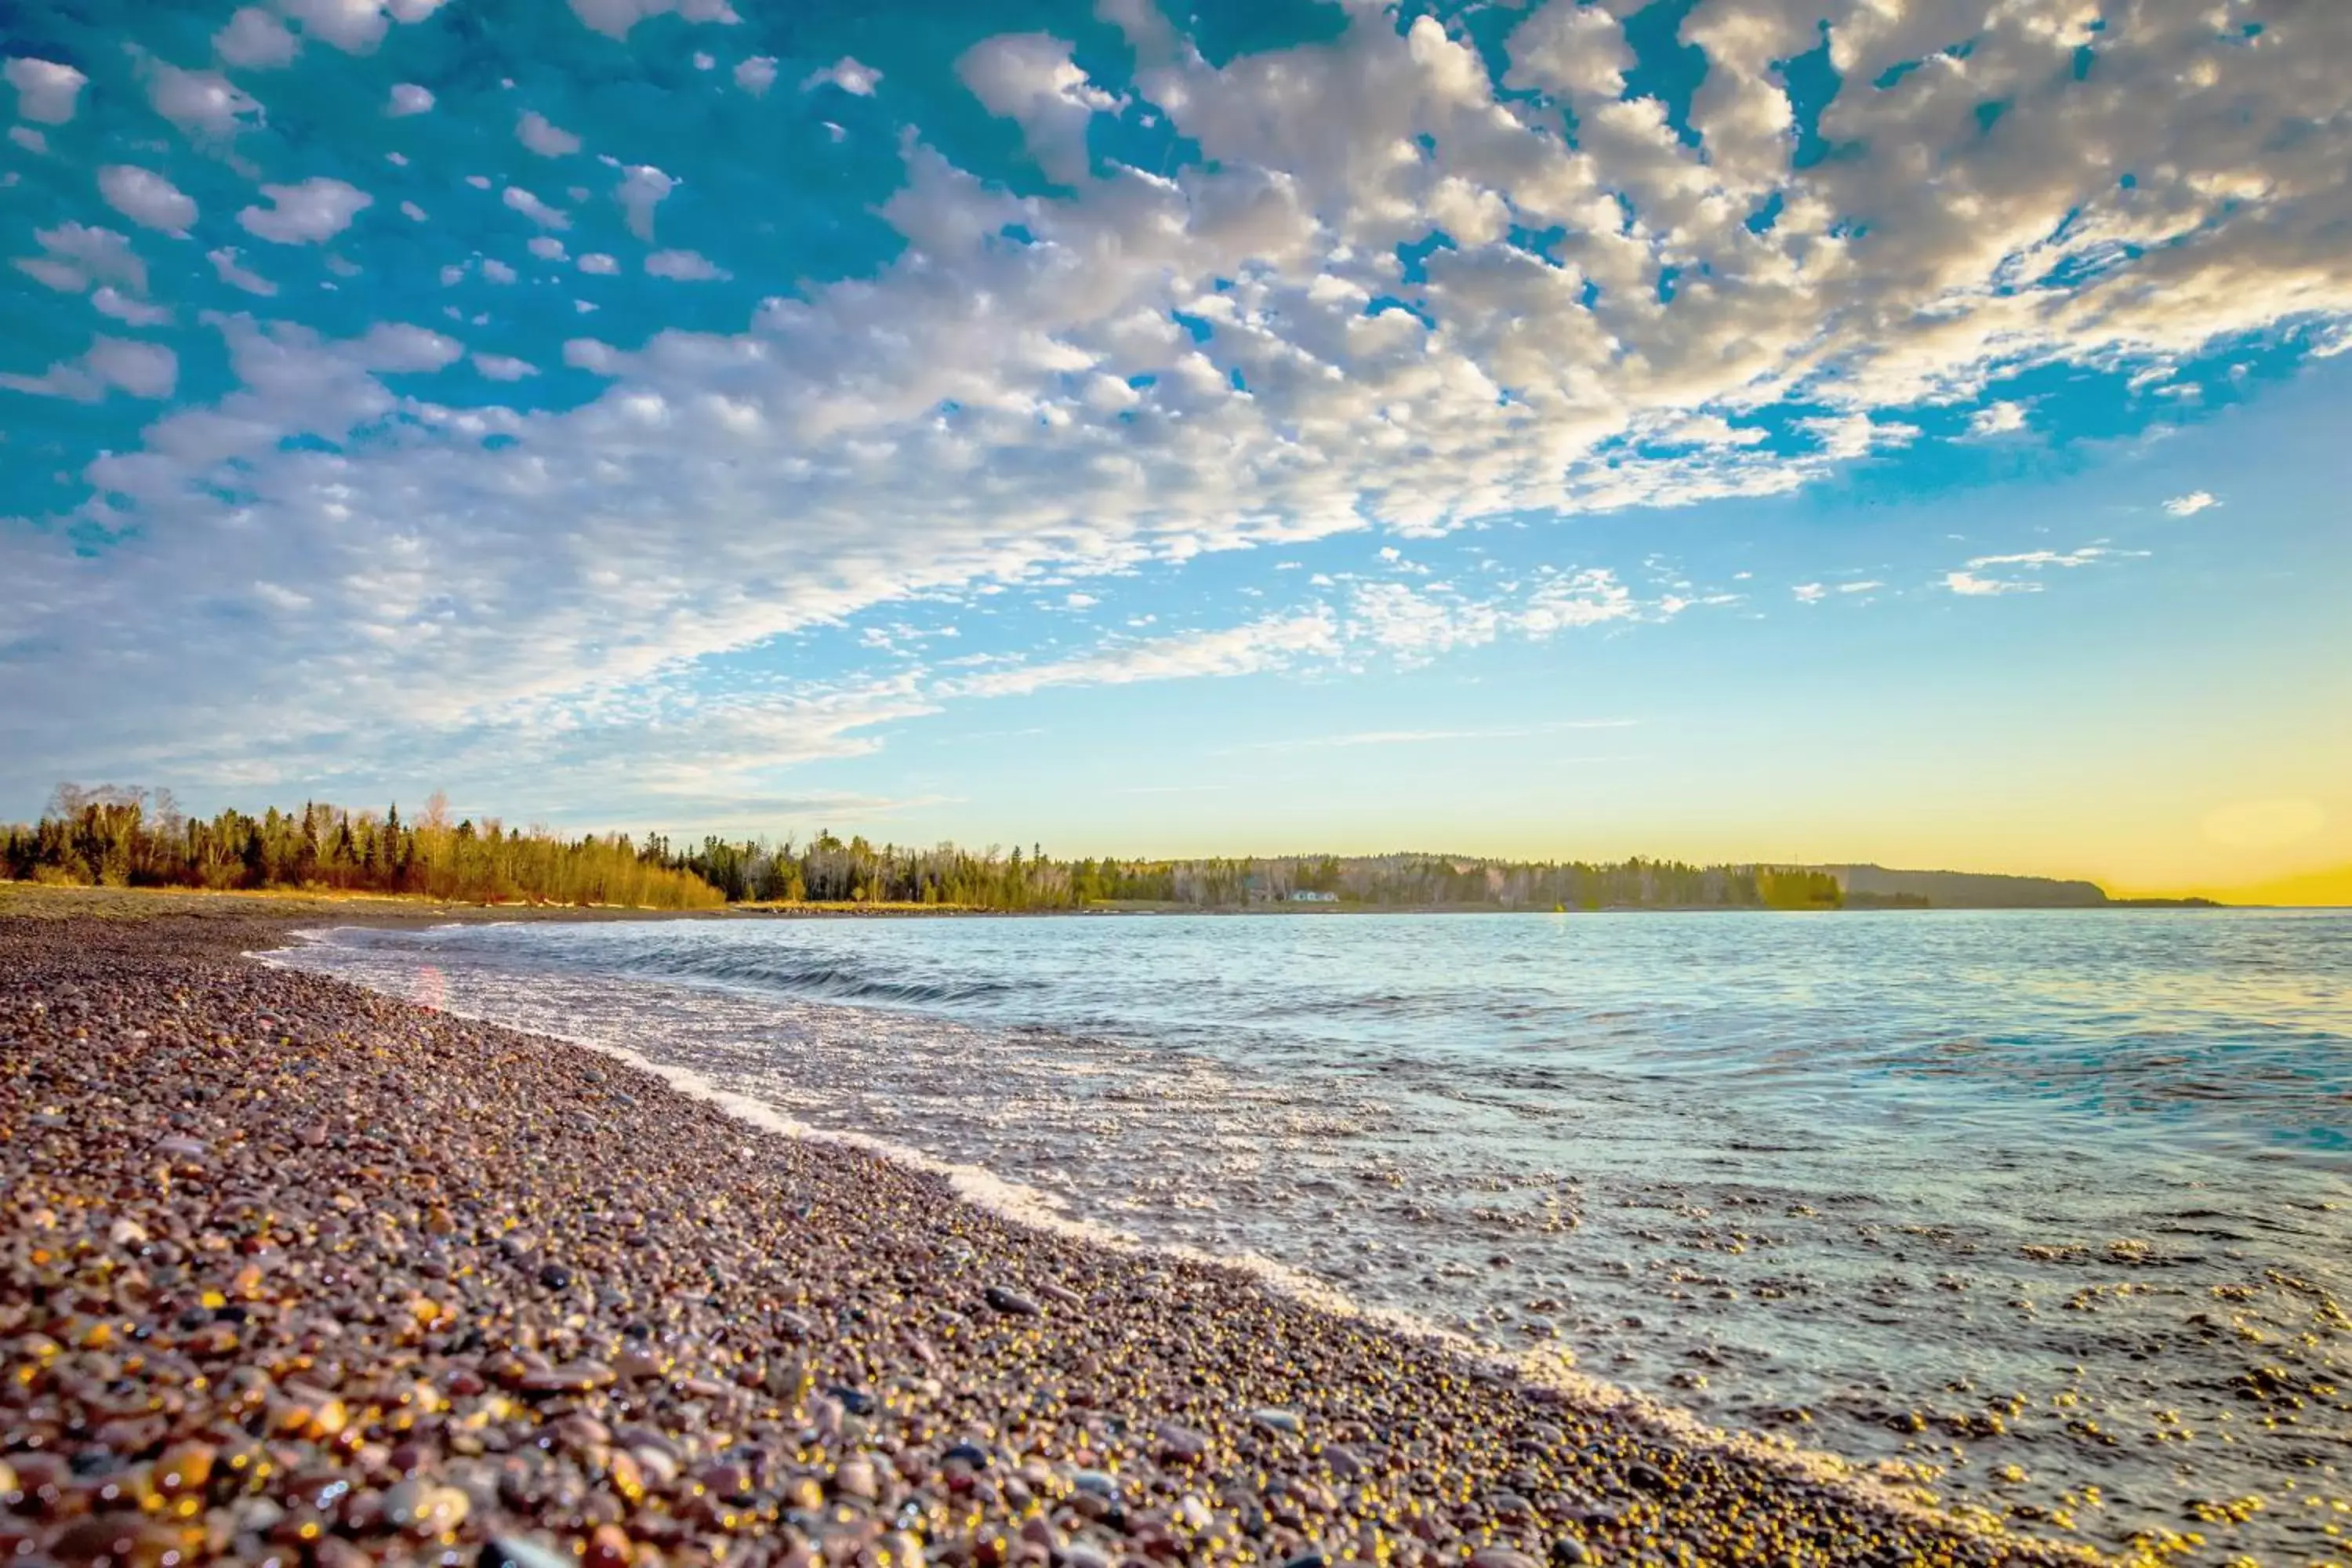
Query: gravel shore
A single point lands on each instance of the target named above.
(293, 1273)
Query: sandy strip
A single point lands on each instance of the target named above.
(290, 1271)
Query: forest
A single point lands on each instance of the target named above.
(117, 836)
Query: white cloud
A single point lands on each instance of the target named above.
(1031, 80)
(316, 210)
(1972, 585)
(531, 207)
(1277, 642)
(355, 26)
(614, 18)
(108, 301)
(1865, 586)
(142, 369)
(407, 98)
(2192, 503)
(1810, 592)
(844, 73)
(226, 265)
(498, 271)
(74, 255)
(1972, 581)
(546, 247)
(499, 367)
(1999, 419)
(548, 140)
(146, 198)
(642, 188)
(412, 212)
(2040, 558)
(199, 103)
(47, 91)
(683, 266)
(30, 140)
(1855, 434)
(756, 74)
(255, 40)
(597, 262)
(1563, 601)
(1417, 627)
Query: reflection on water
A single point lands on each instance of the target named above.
(2049, 1211)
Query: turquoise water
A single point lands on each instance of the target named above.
(2012, 1204)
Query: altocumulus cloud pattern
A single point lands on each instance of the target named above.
(494, 380)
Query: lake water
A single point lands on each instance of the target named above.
(2047, 1213)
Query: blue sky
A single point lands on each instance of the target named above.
(1740, 428)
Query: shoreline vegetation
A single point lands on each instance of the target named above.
(113, 836)
(293, 1273)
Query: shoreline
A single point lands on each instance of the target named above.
(480, 1285)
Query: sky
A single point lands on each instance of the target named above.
(1821, 430)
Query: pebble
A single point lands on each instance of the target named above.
(855, 1478)
(1011, 1303)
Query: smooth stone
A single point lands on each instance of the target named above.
(524, 1553)
(1180, 1442)
(1567, 1551)
(855, 1478)
(572, 1377)
(1011, 1303)
(1501, 1557)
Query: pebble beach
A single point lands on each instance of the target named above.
(295, 1273)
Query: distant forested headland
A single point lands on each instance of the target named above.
(115, 837)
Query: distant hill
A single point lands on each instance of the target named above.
(1867, 885)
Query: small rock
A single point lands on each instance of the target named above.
(1180, 1443)
(572, 1377)
(1279, 1420)
(1012, 1303)
(855, 1478)
(1500, 1557)
(555, 1276)
(1567, 1551)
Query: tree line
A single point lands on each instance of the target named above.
(134, 837)
(113, 836)
(828, 870)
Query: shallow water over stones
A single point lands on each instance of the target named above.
(2046, 1211)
